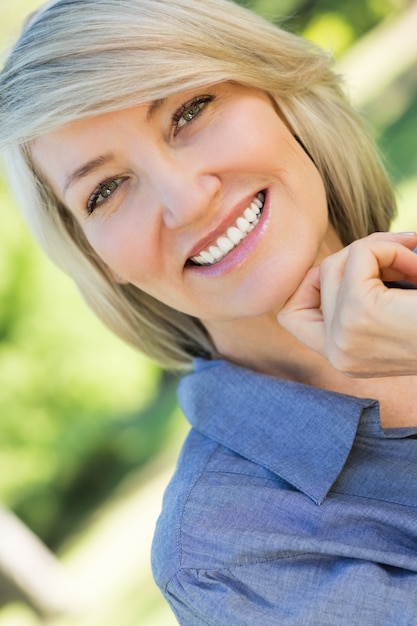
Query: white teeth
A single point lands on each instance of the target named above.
(216, 252)
(249, 215)
(243, 224)
(207, 257)
(225, 244)
(234, 235)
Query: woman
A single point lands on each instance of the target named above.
(183, 162)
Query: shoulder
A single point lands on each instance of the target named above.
(241, 539)
(167, 541)
(237, 544)
(214, 496)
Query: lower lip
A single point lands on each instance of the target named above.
(237, 257)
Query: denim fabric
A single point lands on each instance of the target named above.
(289, 505)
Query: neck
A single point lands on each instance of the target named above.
(262, 345)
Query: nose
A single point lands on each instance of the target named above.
(185, 192)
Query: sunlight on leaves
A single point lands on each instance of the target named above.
(331, 32)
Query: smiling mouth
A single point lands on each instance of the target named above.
(233, 236)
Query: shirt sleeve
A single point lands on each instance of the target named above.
(310, 590)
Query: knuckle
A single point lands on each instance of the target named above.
(343, 361)
(345, 346)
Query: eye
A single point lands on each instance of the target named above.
(189, 111)
(102, 193)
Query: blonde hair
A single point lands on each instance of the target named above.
(79, 58)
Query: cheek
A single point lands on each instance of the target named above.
(118, 244)
(252, 136)
(246, 131)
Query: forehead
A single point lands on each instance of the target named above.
(89, 131)
(93, 125)
(57, 153)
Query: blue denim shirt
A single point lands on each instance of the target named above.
(289, 506)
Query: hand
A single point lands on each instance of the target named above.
(345, 312)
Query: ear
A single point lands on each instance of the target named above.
(119, 279)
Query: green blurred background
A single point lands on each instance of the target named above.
(89, 429)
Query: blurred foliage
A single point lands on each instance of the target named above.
(329, 23)
(399, 140)
(73, 400)
(78, 409)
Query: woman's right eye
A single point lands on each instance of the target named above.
(102, 193)
(189, 111)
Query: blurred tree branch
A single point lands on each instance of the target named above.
(381, 57)
(29, 573)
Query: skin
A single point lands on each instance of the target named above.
(344, 311)
(177, 183)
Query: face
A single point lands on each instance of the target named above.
(204, 200)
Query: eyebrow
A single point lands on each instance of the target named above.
(154, 107)
(86, 169)
(94, 164)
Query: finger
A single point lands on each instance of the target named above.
(381, 260)
(407, 239)
(331, 276)
(334, 266)
(302, 316)
(352, 285)
(307, 294)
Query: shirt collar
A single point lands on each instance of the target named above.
(302, 434)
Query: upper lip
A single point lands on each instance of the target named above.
(222, 227)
